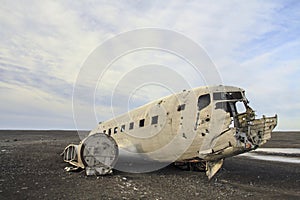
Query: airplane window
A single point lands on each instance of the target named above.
(123, 128)
(240, 107)
(203, 101)
(225, 106)
(222, 105)
(142, 122)
(227, 95)
(109, 131)
(104, 131)
(181, 107)
(131, 125)
(219, 96)
(154, 119)
(115, 130)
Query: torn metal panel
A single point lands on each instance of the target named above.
(212, 167)
(97, 154)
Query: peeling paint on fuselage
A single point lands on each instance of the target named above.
(201, 125)
(214, 132)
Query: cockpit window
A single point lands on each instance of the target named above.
(227, 95)
(222, 105)
(203, 101)
(225, 106)
(232, 107)
(240, 107)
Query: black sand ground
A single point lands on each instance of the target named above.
(31, 168)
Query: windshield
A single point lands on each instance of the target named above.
(227, 96)
(232, 107)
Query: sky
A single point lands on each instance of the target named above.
(254, 45)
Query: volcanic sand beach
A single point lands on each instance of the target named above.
(32, 168)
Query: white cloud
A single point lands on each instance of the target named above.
(43, 45)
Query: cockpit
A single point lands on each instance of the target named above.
(235, 103)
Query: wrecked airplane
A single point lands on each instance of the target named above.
(195, 128)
